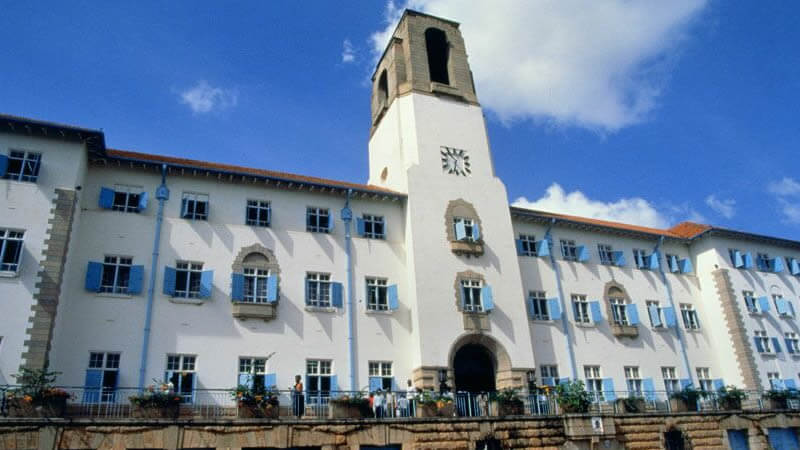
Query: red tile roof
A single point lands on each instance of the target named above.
(606, 223)
(689, 229)
(205, 165)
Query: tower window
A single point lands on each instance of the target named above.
(438, 54)
(383, 89)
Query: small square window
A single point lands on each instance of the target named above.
(374, 227)
(318, 220)
(258, 213)
(606, 253)
(376, 294)
(194, 206)
(528, 245)
(23, 166)
(569, 251)
(10, 250)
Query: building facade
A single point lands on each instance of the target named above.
(121, 267)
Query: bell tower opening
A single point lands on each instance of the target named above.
(438, 54)
(383, 88)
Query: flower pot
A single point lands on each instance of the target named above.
(730, 404)
(255, 411)
(682, 405)
(631, 405)
(347, 410)
(47, 407)
(155, 412)
(436, 410)
(775, 403)
(507, 408)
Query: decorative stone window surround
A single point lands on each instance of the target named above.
(462, 208)
(617, 290)
(255, 256)
(473, 320)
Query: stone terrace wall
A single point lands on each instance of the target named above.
(702, 431)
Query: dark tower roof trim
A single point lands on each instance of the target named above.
(94, 139)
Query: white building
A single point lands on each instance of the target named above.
(424, 269)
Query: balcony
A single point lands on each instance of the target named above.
(249, 310)
(467, 247)
(624, 330)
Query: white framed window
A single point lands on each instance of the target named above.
(187, 279)
(382, 369)
(258, 213)
(606, 253)
(640, 258)
(761, 336)
(116, 274)
(773, 378)
(633, 380)
(318, 220)
(23, 166)
(654, 312)
(594, 382)
(689, 315)
(619, 312)
(704, 377)
(671, 382)
(580, 308)
(750, 302)
(792, 342)
(319, 289)
(471, 292)
(374, 227)
(468, 225)
(569, 251)
(255, 368)
(763, 262)
(126, 198)
(11, 242)
(549, 371)
(318, 378)
(376, 294)
(181, 372)
(108, 364)
(194, 206)
(540, 311)
(255, 285)
(528, 243)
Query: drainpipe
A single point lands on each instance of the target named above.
(687, 368)
(162, 194)
(347, 218)
(564, 322)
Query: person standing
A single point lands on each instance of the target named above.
(298, 399)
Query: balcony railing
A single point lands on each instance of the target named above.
(220, 404)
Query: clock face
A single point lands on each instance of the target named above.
(455, 161)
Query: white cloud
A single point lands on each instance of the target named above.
(348, 52)
(633, 210)
(786, 187)
(204, 98)
(596, 64)
(725, 208)
(785, 191)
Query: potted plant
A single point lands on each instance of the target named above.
(157, 400)
(779, 398)
(572, 397)
(430, 404)
(631, 404)
(257, 403)
(354, 406)
(685, 399)
(729, 398)
(36, 396)
(507, 403)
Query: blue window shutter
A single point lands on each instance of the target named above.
(776, 384)
(169, 281)
(270, 380)
(777, 264)
(543, 247)
(336, 295)
(142, 201)
(583, 253)
(718, 384)
(737, 259)
(272, 288)
(206, 283)
(759, 347)
(669, 316)
(673, 263)
(619, 258)
(461, 231)
(597, 316)
(92, 385)
(184, 207)
(780, 305)
(237, 287)
(94, 275)
(360, 229)
(106, 198)
(794, 267)
(529, 303)
(136, 280)
(334, 386)
(331, 223)
(738, 440)
(548, 381)
(476, 232)
(789, 383)
(3, 165)
(608, 389)
(652, 261)
(776, 344)
(554, 308)
(375, 383)
(763, 304)
(633, 313)
(520, 249)
(686, 265)
(654, 316)
(789, 347)
(194, 386)
(649, 390)
(685, 383)
(575, 311)
(246, 379)
(747, 260)
(391, 297)
(487, 298)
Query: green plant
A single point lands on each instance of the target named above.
(432, 398)
(689, 394)
(157, 395)
(731, 393)
(781, 394)
(572, 396)
(633, 404)
(258, 396)
(36, 387)
(507, 395)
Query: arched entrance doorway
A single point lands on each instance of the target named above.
(474, 369)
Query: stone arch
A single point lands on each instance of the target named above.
(500, 357)
(258, 257)
(460, 208)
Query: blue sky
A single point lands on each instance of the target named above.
(647, 112)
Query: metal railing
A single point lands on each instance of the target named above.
(221, 404)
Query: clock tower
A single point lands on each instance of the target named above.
(428, 139)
